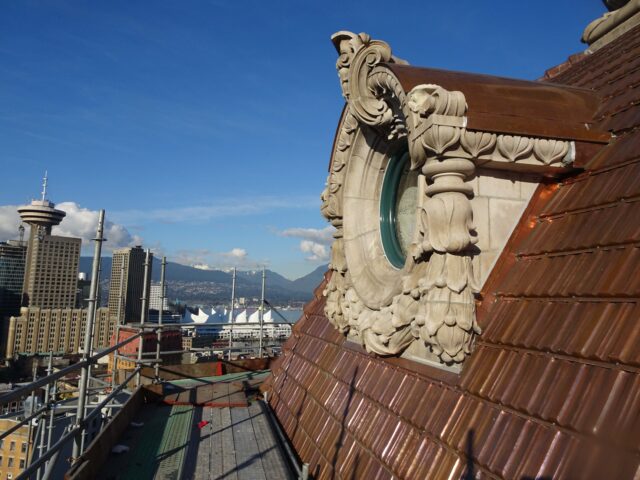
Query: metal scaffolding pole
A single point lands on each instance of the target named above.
(143, 313)
(233, 301)
(264, 276)
(52, 412)
(114, 365)
(33, 409)
(43, 416)
(84, 377)
(159, 331)
(93, 330)
(51, 462)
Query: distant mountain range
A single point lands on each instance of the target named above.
(197, 286)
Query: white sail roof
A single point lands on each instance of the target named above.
(267, 317)
(255, 316)
(201, 317)
(241, 317)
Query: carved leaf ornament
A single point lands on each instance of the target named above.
(433, 312)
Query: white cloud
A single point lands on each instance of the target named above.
(237, 253)
(318, 251)
(315, 242)
(202, 266)
(323, 236)
(79, 222)
(205, 259)
(198, 258)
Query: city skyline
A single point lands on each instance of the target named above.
(205, 138)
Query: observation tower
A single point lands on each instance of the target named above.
(41, 214)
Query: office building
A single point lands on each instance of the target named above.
(158, 298)
(51, 267)
(12, 259)
(15, 449)
(83, 290)
(58, 330)
(170, 347)
(127, 282)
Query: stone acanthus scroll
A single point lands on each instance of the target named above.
(434, 310)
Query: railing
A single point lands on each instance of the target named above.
(76, 430)
(21, 392)
(42, 467)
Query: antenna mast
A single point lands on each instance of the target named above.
(44, 186)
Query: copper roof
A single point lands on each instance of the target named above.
(553, 387)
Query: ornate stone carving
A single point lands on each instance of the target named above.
(477, 143)
(550, 151)
(331, 208)
(427, 308)
(513, 147)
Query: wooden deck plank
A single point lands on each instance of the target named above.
(229, 471)
(248, 457)
(203, 453)
(215, 444)
(273, 461)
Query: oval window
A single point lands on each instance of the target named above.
(398, 203)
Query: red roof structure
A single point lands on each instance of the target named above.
(552, 386)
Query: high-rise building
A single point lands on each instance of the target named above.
(51, 268)
(12, 258)
(127, 282)
(83, 291)
(156, 300)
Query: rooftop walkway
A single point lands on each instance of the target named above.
(237, 441)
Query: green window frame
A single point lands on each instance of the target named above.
(388, 215)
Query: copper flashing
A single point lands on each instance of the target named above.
(519, 107)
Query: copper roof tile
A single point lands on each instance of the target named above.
(530, 314)
(402, 392)
(445, 465)
(484, 451)
(563, 400)
(407, 404)
(403, 452)
(439, 418)
(626, 348)
(424, 393)
(388, 428)
(469, 418)
(426, 455)
(457, 413)
(588, 400)
(502, 449)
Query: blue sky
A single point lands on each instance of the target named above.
(204, 128)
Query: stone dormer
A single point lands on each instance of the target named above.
(430, 173)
